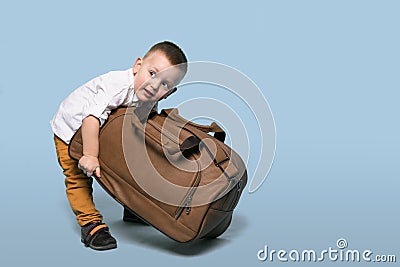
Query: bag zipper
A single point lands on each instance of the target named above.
(189, 196)
(188, 199)
(237, 194)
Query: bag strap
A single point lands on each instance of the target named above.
(219, 133)
(135, 120)
(173, 142)
(221, 157)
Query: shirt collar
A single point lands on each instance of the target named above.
(134, 99)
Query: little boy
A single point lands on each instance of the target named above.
(152, 78)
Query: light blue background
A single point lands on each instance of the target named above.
(329, 69)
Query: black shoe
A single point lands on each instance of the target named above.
(131, 217)
(97, 236)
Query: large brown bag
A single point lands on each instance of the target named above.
(169, 171)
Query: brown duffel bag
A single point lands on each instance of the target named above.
(169, 171)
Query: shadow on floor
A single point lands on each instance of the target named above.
(142, 235)
(148, 236)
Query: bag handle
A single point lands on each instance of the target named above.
(173, 143)
(135, 120)
(221, 158)
(219, 133)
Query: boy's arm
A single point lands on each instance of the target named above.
(89, 162)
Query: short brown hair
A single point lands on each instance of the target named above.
(173, 53)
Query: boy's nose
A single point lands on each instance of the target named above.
(155, 85)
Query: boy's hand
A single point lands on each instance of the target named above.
(89, 165)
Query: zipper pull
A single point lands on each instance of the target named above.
(239, 186)
(189, 200)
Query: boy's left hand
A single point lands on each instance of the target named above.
(89, 165)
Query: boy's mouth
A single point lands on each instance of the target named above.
(148, 93)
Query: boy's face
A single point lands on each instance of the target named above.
(155, 76)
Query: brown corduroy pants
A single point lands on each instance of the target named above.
(78, 186)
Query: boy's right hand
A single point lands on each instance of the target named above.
(89, 165)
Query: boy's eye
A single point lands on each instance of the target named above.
(165, 84)
(152, 74)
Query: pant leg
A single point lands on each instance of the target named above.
(78, 186)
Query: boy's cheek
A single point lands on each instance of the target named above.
(139, 84)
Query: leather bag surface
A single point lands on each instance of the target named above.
(169, 171)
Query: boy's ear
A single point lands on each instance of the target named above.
(167, 94)
(137, 65)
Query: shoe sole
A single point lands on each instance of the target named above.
(108, 247)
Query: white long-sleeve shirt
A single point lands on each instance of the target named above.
(97, 97)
